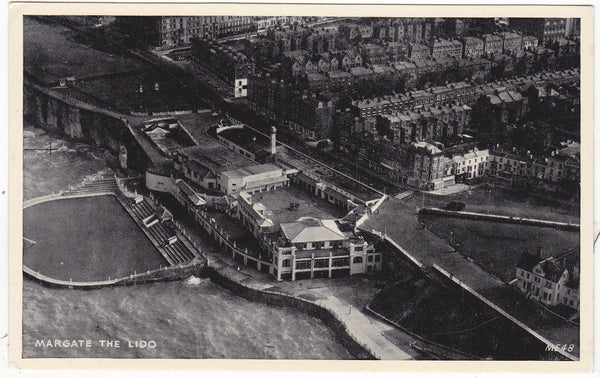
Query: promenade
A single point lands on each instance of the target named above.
(345, 298)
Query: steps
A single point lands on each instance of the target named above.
(404, 195)
(176, 253)
(100, 185)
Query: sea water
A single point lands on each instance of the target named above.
(192, 318)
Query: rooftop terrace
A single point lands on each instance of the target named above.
(277, 203)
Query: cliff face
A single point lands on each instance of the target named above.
(78, 123)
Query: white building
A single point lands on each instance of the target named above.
(551, 281)
(252, 179)
(471, 165)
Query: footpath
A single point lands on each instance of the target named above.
(343, 297)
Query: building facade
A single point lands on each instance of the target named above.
(551, 281)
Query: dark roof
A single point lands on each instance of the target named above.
(528, 261)
(552, 271)
(247, 139)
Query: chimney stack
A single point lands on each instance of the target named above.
(273, 140)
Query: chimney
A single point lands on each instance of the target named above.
(273, 140)
(539, 252)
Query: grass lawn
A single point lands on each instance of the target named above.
(86, 239)
(497, 247)
(121, 91)
(455, 319)
(52, 52)
(498, 201)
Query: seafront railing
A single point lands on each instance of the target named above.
(166, 272)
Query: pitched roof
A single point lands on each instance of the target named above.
(307, 229)
(552, 270)
(194, 197)
(528, 261)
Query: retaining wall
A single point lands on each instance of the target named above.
(279, 299)
(81, 121)
(163, 274)
(500, 218)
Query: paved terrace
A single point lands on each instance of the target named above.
(277, 203)
(344, 297)
(399, 224)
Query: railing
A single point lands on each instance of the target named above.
(160, 272)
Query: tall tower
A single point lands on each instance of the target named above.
(273, 140)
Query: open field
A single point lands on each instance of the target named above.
(86, 239)
(51, 52)
(454, 319)
(497, 247)
(122, 92)
(278, 201)
(502, 202)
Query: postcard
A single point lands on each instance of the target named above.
(301, 187)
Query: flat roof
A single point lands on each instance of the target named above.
(250, 170)
(246, 138)
(215, 156)
(277, 204)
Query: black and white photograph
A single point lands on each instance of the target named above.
(202, 186)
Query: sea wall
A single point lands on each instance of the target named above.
(70, 117)
(173, 273)
(279, 299)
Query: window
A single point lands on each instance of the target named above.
(370, 258)
(285, 263)
(357, 260)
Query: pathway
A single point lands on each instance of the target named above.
(367, 331)
(398, 223)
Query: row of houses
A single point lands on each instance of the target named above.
(489, 45)
(333, 71)
(503, 91)
(424, 165)
(430, 124)
(169, 32)
(548, 173)
(317, 117)
(225, 61)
